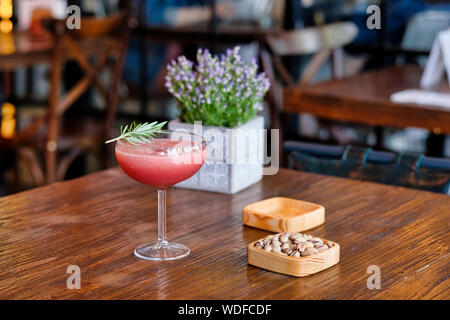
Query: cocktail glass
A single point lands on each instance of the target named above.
(166, 159)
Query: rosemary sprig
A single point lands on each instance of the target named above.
(139, 133)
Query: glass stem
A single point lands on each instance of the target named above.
(162, 216)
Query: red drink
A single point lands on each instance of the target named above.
(160, 163)
(168, 158)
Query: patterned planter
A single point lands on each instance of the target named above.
(234, 159)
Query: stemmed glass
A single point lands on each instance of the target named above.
(166, 159)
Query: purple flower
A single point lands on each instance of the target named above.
(224, 81)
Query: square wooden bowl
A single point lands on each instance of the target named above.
(283, 215)
(293, 266)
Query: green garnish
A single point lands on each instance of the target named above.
(139, 133)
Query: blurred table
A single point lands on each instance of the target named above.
(365, 98)
(21, 49)
(95, 222)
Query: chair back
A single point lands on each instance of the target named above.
(323, 42)
(99, 45)
(100, 27)
(421, 32)
(91, 47)
(312, 40)
(401, 169)
(98, 42)
(423, 28)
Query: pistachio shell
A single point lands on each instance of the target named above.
(309, 251)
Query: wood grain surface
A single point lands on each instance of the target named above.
(283, 215)
(20, 49)
(96, 221)
(365, 98)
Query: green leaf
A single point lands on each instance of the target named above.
(139, 133)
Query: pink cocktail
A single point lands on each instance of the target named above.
(165, 160)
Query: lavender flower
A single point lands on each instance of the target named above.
(218, 90)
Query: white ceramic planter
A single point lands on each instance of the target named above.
(235, 156)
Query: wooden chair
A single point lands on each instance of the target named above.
(99, 45)
(402, 169)
(324, 42)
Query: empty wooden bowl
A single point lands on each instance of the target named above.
(283, 215)
(293, 266)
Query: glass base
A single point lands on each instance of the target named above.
(161, 251)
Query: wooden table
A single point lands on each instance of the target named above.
(365, 98)
(21, 49)
(96, 221)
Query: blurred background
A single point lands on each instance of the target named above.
(64, 92)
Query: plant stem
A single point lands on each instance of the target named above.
(115, 139)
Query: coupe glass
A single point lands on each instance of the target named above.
(166, 159)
